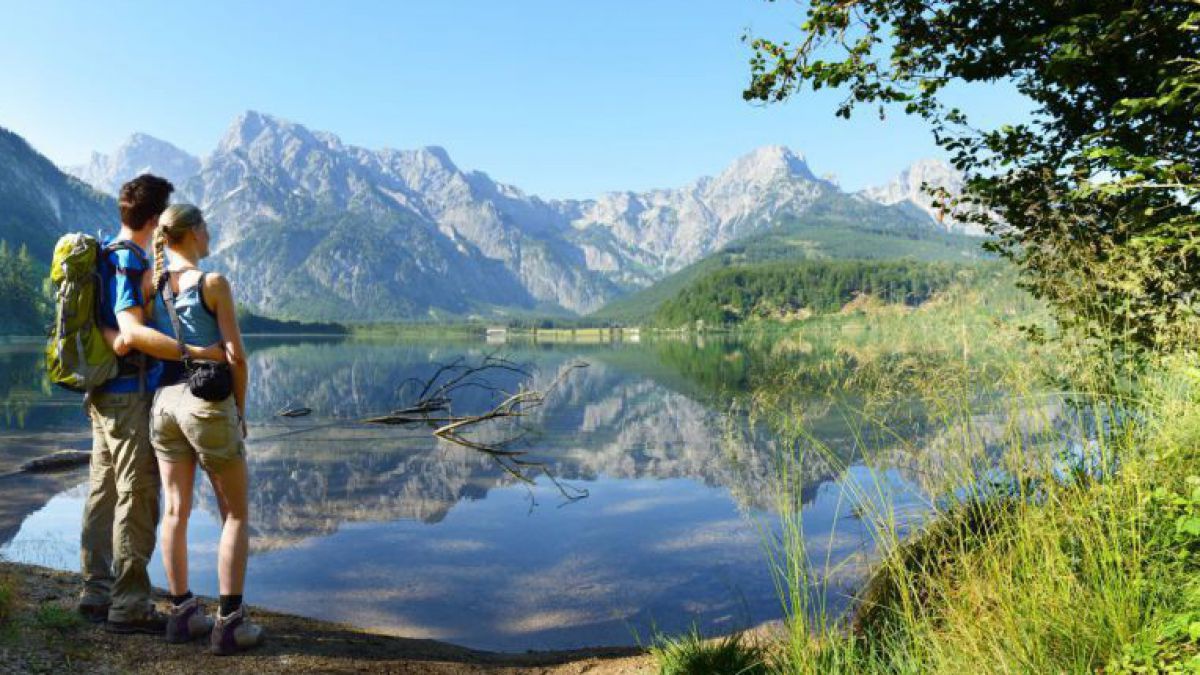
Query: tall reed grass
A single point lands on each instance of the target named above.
(1062, 530)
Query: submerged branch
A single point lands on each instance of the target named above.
(435, 397)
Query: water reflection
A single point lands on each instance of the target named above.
(392, 529)
(609, 421)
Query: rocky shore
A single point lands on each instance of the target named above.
(39, 633)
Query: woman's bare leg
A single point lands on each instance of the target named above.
(230, 486)
(177, 480)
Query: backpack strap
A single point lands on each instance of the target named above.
(126, 245)
(169, 301)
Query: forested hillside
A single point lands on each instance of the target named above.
(780, 290)
(23, 309)
(832, 229)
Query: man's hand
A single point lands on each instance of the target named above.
(120, 346)
(213, 352)
(116, 341)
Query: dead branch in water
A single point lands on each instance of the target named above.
(55, 461)
(516, 405)
(434, 397)
(293, 411)
(435, 393)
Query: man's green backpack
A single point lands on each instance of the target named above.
(77, 357)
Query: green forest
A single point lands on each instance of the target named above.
(22, 303)
(777, 290)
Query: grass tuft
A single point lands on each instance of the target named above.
(53, 616)
(692, 654)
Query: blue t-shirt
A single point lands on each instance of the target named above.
(121, 277)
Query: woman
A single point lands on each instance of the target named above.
(187, 430)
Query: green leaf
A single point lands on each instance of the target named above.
(1188, 526)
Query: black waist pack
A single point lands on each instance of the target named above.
(209, 380)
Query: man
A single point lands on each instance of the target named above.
(121, 512)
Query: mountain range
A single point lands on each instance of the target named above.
(310, 227)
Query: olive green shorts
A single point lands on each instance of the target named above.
(184, 427)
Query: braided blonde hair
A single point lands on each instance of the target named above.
(176, 221)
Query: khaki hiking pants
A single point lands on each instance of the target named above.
(121, 512)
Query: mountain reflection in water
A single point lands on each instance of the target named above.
(389, 528)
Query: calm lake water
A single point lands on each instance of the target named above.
(391, 529)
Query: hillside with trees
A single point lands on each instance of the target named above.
(833, 229)
(23, 306)
(782, 290)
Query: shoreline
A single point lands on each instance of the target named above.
(41, 634)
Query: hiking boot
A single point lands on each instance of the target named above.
(234, 632)
(93, 612)
(153, 622)
(187, 622)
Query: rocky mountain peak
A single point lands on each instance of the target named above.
(439, 154)
(766, 164)
(420, 166)
(139, 141)
(140, 153)
(908, 187)
(253, 128)
(935, 172)
(244, 129)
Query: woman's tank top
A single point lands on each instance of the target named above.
(198, 322)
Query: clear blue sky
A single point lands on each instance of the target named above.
(565, 98)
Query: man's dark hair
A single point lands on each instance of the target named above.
(143, 198)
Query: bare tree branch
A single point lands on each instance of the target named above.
(435, 397)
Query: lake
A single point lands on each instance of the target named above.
(389, 528)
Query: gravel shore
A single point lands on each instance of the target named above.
(41, 634)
